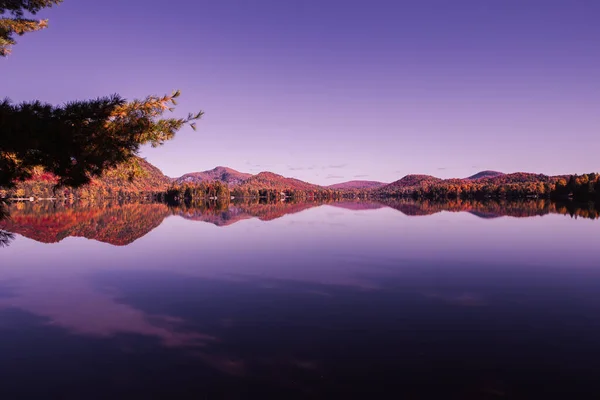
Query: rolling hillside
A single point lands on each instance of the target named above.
(146, 178)
(485, 174)
(271, 181)
(350, 185)
(412, 181)
(226, 175)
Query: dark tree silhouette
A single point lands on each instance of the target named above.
(16, 23)
(82, 139)
(78, 140)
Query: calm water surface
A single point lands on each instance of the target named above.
(300, 301)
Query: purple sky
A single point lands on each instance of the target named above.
(327, 91)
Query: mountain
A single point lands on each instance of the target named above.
(357, 185)
(271, 181)
(485, 174)
(411, 181)
(223, 174)
(519, 177)
(147, 178)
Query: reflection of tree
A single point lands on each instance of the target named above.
(5, 236)
(121, 223)
(225, 213)
(496, 208)
(114, 223)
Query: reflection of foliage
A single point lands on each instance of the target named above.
(590, 210)
(274, 210)
(6, 238)
(114, 223)
(121, 223)
(224, 213)
(3, 209)
(496, 208)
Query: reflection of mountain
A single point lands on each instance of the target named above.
(482, 209)
(271, 211)
(484, 215)
(494, 208)
(122, 224)
(215, 216)
(241, 211)
(356, 205)
(116, 224)
(350, 185)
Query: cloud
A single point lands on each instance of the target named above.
(335, 166)
(361, 176)
(330, 176)
(442, 168)
(263, 166)
(290, 168)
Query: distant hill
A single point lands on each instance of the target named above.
(518, 177)
(410, 181)
(271, 181)
(223, 174)
(149, 180)
(357, 185)
(486, 174)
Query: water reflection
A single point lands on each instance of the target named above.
(497, 208)
(121, 223)
(299, 300)
(5, 237)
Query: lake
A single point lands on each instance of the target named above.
(398, 299)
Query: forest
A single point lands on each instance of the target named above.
(584, 187)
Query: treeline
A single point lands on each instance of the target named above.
(580, 187)
(195, 191)
(46, 190)
(218, 190)
(577, 187)
(154, 186)
(133, 181)
(299, 194)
